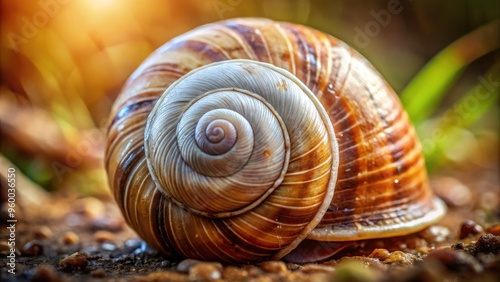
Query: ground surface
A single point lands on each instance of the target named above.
(86, 239)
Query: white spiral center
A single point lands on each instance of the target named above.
(215, 137)
(216, 131)
(223, 137)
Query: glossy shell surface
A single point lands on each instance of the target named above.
(362, 177)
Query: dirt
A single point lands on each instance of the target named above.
(86, 239)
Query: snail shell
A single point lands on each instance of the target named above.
(240, 139)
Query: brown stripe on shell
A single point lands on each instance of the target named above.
(300, 49)
(254, 40)
(127, 145)
(324, 63)
(146, 201)
(348, 171)
(390, 180)
(285, 50)
(202, 49)
(209, 236)
(344, 120)
(131, 109)
(125, 168)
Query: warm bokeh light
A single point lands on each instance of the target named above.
(64, 62)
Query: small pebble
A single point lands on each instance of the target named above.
(456, 261)
(32, 249)
(380, 254)
(45, 273)
(132, 244)
(99, 273)
(274, 266)
(494, 229)
(186, 265)
(252, 270)
(144, 249)
(70, 238)
(292, 266)
(42, 232)
(108, 246)
(205, 271)
(470, 228)
(76, 260)
(435, 234)
(314, 267)
(102, 236)
(488, 243)
(233, 273)
(401, 258)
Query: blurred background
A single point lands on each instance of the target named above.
(63, 62)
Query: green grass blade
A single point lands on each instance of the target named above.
(424, 93)
(463, 114)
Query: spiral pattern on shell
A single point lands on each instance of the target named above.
(337, 158)
(220, 140)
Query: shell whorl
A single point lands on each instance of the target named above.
(220, 140)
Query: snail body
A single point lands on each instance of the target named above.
(248, 139)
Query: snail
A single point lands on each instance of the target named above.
(248, 139)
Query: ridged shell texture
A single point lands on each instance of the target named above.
(239, 139)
